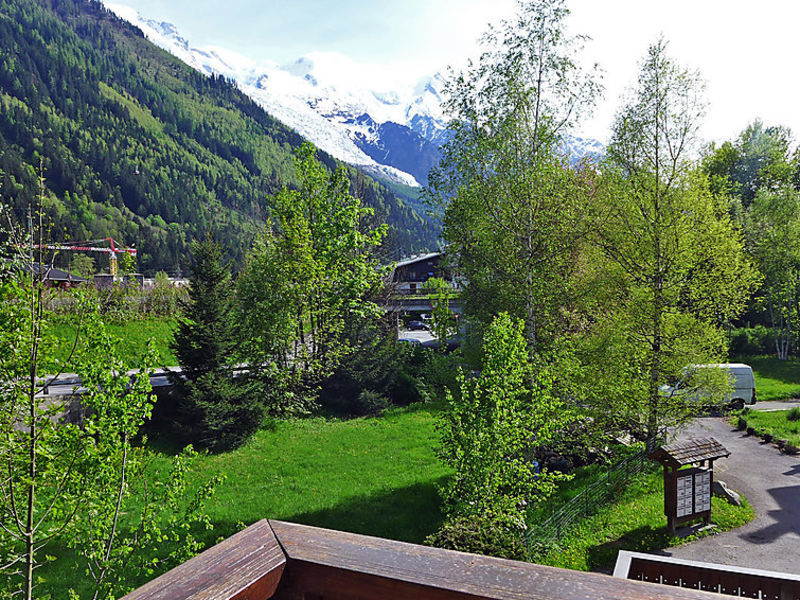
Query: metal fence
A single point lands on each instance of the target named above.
(589, 500)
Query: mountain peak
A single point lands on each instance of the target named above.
(348, 109)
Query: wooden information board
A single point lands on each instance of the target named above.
(687, 491)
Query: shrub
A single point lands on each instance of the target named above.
(404, 389)
(794, 414)
(479, 535)
(752, 341)
(379, 364)
(370, 403)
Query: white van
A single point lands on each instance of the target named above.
(742, 381)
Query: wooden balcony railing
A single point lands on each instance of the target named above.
(722, 579)
(285, 561)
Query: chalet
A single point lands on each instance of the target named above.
(409, 276)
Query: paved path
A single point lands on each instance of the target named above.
(775, 405)
(771, 483)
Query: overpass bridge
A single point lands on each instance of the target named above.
(422, 304)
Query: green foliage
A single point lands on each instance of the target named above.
(756, 340)
(676, 268)
(514, 211)
(793, 414)
(70, 480)
(42, 480)
(371, 403)
(444, 322)
(477, 534)
(490, 432)
(379, 364)
(758, 160)
(128, 523)
(211, 408)
(307, 284)
(82, 265)
(772, 226)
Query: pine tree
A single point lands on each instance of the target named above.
(211, 408)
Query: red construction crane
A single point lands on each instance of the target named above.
(112, 250)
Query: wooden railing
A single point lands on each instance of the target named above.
(721, 579)
(285, 561)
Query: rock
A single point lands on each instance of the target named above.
(723, 491)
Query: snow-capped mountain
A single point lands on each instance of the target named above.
(391, 133)
(357, 115)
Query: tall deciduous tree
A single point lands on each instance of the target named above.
(39, 487)
(670, 242)
(514, 209)
(773, 237)
(310, 276)
(759, 159)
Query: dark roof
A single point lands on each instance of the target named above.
(416, 259)
(53, 274)
(690, 451)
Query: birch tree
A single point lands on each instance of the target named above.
(670, 241)
(310, 276)
(514, 209)
(773, 237)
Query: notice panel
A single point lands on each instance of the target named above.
(685, 492)
(702, 491)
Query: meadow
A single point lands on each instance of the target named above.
(775, 379)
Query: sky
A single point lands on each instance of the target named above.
(744, 49)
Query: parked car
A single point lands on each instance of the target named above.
(410, 341)
(417, 326)
(742, 379)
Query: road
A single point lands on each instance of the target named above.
(424, 336)
(68, 384)
(771, 483)
(771, 405)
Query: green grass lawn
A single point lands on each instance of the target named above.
(634, 522)
(778, 423)
(379, 476)
(775, 379)
(134, 334)
(374, 476)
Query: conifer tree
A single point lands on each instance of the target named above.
(212, 409)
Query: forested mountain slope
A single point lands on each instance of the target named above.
(139, 146)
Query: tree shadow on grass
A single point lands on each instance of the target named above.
(602, 557)
(408, 514)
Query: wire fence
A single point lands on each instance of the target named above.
(609, 485)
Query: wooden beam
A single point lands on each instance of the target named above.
(333, 565)
(246, 566)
